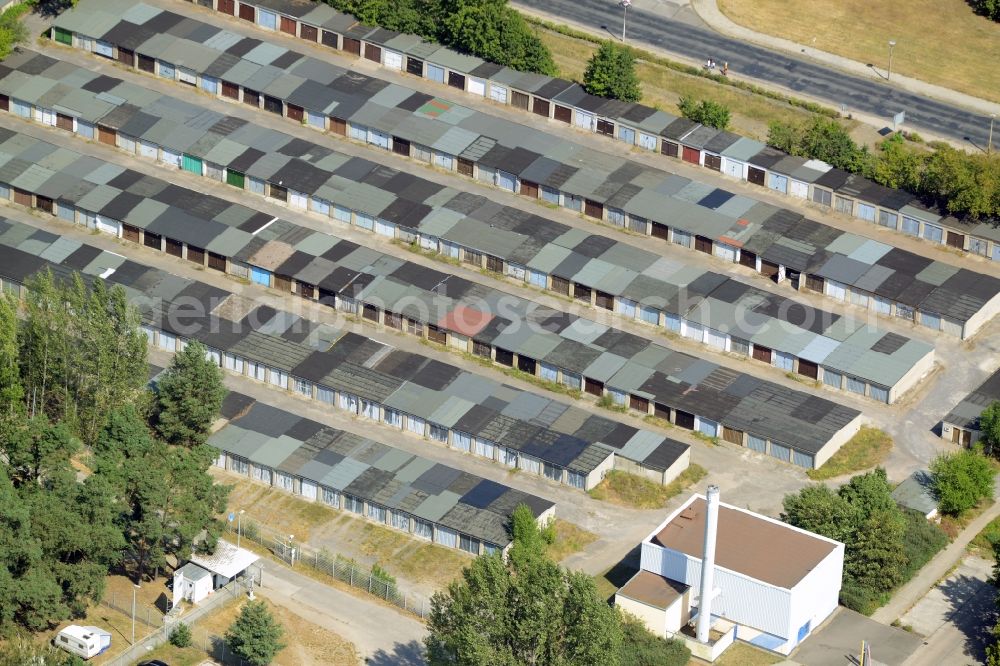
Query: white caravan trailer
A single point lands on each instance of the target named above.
(85, 642)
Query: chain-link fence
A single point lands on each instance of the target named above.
(144, 613)
(166, 624)
(333, 565)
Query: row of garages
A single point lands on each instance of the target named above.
(350, 372)
(636, 124)
(737, 245)
(245, 358)
(369, 479)
(701, 317)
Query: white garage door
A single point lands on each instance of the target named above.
(477, 86)
(392, 59)
(798, 189)
(734, 169)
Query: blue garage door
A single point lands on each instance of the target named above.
(260, 276)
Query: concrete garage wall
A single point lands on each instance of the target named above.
(912, 377)
(838, 440)
(984, 315)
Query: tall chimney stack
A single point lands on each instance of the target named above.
(708, 564)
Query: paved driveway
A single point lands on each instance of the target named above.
(956, 616)
(838, 642)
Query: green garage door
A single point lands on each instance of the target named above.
(236, 179)
(63, 36)
(192, 164)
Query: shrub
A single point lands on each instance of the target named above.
(642, 648)
(611, 73)
(706, 112)
(180, 636)
(921, 541)
(858, 598)
(962, 480)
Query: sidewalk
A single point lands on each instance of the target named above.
(935, 570)
(708, 11)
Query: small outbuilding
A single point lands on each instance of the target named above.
(191, 584)
(204, 574)
(917, 493)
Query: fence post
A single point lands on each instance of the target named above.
(351, 569)
(404, 601)
(369, 584)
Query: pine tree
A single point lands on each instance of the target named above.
(188, 397)
(255, 635)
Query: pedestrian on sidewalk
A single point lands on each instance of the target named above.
(725, 69)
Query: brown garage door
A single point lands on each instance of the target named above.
(593, 387)
(310, 33)
(808, 369)
(126, 57)
(703, 244)
(593, 209)
(769, 269)
(466, 167)
(130, 233)
(748, 259)
(400, 146)
(247, 13)
(605, 127)
(338, 126)
(373, 53)
(564, 114)
(685, 420)
(541, 107)
(64, 122)
(713, 162)
(814, 282)
(529, 189)
(732, 435)
(296, 113)
(146, 64)
(669, 148)
(352, 46)
(230, 90)
(519, 99)
(227, 7)
(251, 97)
(956, 240)
(661, 411)
(196, 255)
(762, 354)
(105, 135)
(660, 231)
(755, 176)
(288, 26)
(560, 285)
(638, 404)
(504, 357)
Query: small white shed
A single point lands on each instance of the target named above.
(84, 642)
(226, 563)
(191, 583)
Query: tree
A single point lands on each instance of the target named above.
(11, 392)
(493, 31)
(862, 515)
(706, 112)
(188, 397)
(989, 426)
(961, 480)
(898, 166)
(12, 30)
(785, 137)
(255, 635)
(611, 73)
(180, 636)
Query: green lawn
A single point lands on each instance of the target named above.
(631, 490)
(865, 450)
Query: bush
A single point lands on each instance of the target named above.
(962, 480)
(988, 8)
(642, 648)
(921, 541)
(859, 599)
(181, 636)
(380, 574)
(706, 112)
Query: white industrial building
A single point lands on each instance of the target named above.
(772, 584)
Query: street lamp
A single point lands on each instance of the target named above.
(892, 43)
(625, 4)
(135, 587)
(989, 142)
(239, 527)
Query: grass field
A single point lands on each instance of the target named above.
(938, 41)
(569, 538)
(662, 87)
(625, 489)
(742, 654)
(307, 644)
(865, 450)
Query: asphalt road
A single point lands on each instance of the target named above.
(800, 75)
